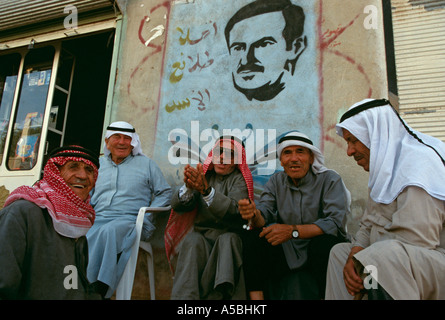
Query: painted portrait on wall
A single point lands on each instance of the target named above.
(259, 58)
(248, 68)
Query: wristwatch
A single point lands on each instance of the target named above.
(295, 234)
(207, 191)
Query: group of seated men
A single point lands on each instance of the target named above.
(290, 243)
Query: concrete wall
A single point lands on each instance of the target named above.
(174, 84)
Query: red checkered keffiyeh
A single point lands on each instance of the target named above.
(179, 225)
(72, 217)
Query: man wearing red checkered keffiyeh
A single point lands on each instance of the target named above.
(67, 202)
(205, 221)
(43, 252)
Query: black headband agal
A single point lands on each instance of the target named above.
(384, 102)
(68, 151)
(121, 129)
(303, 139)
(363, 107)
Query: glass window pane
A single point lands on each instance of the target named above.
(58, 107)
(64, 70)
(28, 120)
(9, 66)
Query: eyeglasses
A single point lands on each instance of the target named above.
(225, 153)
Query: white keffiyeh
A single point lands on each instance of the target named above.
(114, 128)
(295, 138)
(397, 159)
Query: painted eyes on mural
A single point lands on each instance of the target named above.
(265, 42)
(238, 47)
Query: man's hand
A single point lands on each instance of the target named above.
(246, 208)
(250, 213)
(195, 178)
(277, 233)
(353, 282)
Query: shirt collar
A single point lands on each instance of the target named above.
(130, 156)
(306, 180)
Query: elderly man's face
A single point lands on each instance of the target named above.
(224, 158)
(357, 149)
(258, 50)
(79, 176)
(296, 161)
(120, 146)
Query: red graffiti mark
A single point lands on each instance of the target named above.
(329, 138)
(141, 28)
(320, 72)
(358, 66)
(325, 40)
(156, 49)
(331, 35)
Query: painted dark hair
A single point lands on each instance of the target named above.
(293, 16)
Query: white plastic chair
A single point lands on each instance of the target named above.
(125, 287)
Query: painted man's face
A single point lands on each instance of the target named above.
(258, 51)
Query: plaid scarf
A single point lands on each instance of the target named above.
(72, 217)
(179, 225)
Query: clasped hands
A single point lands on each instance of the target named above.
(275, 234)
(194, 178)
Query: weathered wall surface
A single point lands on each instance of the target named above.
(179, 82)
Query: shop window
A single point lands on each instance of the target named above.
(28, 120)
(9, 67)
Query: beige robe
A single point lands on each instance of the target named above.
(404, 241)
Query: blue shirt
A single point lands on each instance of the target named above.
(126, 187)
(120, 191)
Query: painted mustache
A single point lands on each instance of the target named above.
(250, 67)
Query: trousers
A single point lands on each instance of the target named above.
(266, 269)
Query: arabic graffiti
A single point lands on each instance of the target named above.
(198, 64)
(175, 78)
(201, 103)
(183, 41)
(195, 62)
(179, 106)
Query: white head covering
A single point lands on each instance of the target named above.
(295, 138)
(397, 159)
(127, 129)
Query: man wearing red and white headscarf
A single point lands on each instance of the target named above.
(43, 248)
(209, 264)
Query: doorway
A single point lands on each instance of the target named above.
(53, 94)
(89, 87)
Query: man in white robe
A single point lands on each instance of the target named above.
(128, 180)
(399, 250)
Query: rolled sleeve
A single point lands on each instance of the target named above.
(335, 207)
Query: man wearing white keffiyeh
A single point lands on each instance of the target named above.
(401, 236)
(128, 180)
(301, 214)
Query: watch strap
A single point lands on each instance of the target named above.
(207, 191)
